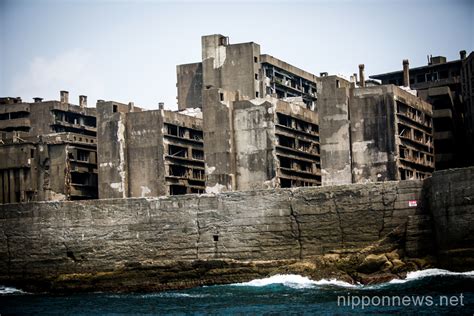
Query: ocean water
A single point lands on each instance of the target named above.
(427, 292)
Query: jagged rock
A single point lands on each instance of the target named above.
(398, 265)
(375, 278)
(372, 263)
(392, 255)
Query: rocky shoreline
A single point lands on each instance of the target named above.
(378, 263)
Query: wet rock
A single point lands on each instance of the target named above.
(372, 263)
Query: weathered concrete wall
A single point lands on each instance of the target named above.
(333, 106)
(144, 141)
(189, 84)
(219, 145)
(373, 134)
(451, 201)
(112, 149)
(103, 235)
(231, 67)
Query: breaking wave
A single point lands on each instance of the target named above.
(294, 281)
(10, 290)
(416, 275)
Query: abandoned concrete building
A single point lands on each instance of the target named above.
(47, 150)
(375, 133)
(149, 153)
(260, 125)
(439, 83)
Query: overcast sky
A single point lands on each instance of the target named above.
(128, 50)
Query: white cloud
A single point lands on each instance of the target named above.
(71, 70)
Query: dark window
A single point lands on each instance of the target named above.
(256, 76)
(177, 151)
(177, 189)
(32, 153)
(221, 96)
(255, 59)
(256, 94)
(420, 78)
(114, 108)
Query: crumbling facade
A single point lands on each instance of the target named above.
(439, 83)
(47, 150)
(375, 133)
(260, 124)
(149, 153)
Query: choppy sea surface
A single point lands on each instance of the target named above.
(426, 292)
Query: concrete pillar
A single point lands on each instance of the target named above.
(2, 201)
(64, 96)
(131, 106)
(355, 78)
(462, 54)
(82, 101)
(406, 73)
(161, 105)
(12, 185)
(361, 75)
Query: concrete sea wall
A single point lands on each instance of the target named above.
(41, 242)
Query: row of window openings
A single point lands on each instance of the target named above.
(406, 174)
(81, 155)
(13, 115)
(414, 134)
(183, 132)
(416, 156)
(304, 86)
(299, 125)
(184, 172)
(177, 151)
(75, 119)
(305, 146)
(427, 77)
(414, 114)
(181, 189)
(289, 183)
(296, 165)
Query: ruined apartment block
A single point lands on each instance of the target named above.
(259, 143)
(149, 153)
(47, 150)
(375, 133)
(439, 83)
(260, 125)
(240, 67)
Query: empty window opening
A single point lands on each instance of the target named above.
(198, 154)
(114, 108)
(181, 132)
(221, 96)
(255, 59)
(83, 155)
(32, 153)
(286, 141)
(81, 178)
(215, 238)
(304, 146)
(256, 94)
(195, 134)
(177, 151)
(284, 120)
(256, 76)
(177, 189)
(172, 129)
(285, 162)
(285, 183)
(198, 174)
(177, 171)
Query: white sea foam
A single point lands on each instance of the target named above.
(294, 281)
(415, 275)
(9, 290)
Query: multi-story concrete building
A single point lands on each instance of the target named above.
(375, 133)
(439, 83)
(47, 150)
(260, 124)
(241, 67)
(149, 153)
